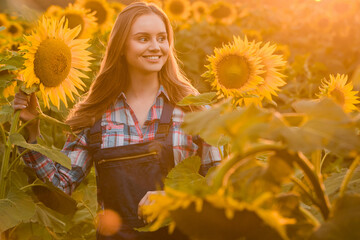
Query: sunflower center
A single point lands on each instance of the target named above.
(221, 12)
(338, 95)
(233, 71)
(52, 62)
(177, 7)
(74, 20)
(201, 10)
(101, 12)
(13, 29)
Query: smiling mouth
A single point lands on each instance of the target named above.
(152, 57)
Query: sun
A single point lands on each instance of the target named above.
(104, 14)
(177, 9)
(342, 93)
(53, 59)
(222, 12)
(76, 15)
(235, 69)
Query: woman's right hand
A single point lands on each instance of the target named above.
(28, 105)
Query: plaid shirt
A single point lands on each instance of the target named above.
(119, 127)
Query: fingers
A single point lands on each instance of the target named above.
(21, 101)
(144, 202)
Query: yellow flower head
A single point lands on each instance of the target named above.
(235, 69)
(76, 15)
(337, 89)
(10, 90)
(53, 58)
(273, 79)
(283, 50)
(117, 7)
(104, 14)
(3, 20)
(14, 29)
(53, 10)
(156, 2)
(222, 12)
(177, 9)
(200, 10)
(162, 204)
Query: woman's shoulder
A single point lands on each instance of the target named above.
(178, 115)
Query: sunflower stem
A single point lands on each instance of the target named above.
(348, 176)
(15, 161)
(3, 135)
(219, 176)
(26, 123)
(6, 156)
(316, 161)
(315, 179)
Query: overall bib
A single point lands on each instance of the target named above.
(126, 173)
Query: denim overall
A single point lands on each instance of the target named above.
(126, 173)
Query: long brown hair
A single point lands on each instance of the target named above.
(113, 79)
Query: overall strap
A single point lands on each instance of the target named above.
(95, 136)
(165, 120)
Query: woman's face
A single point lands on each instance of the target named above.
(147, 46)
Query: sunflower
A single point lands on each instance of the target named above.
(156, 2)
(76, 15)
(252, 34)
(53, 10)
(222, 12)
(53, 58)
(337, 89)
(283, 50)
(273, 79)
(162, 205)
(117, 7)
(199, 10)
(104, 14)
(177, 9)
(10, 90)
(235, 69)
(3, 20)
(14, 29)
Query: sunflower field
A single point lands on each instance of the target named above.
(280, 80)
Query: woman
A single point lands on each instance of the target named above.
(128, 123)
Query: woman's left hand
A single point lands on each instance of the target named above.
(146, 201)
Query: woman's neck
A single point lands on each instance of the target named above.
(142, 86)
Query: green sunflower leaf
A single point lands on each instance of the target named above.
(52, 153)
(199, 100)
(344, 221)
(17, 207)
(185, 176)
(56, 122)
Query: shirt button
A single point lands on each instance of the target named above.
(109, 128)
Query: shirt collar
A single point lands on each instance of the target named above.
(161, 91)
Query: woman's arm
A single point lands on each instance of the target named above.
(63, 178)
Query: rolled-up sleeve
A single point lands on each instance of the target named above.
(63, 178)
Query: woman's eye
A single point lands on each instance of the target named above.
(161, 39)
(142, 39)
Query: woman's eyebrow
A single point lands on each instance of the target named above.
(146, 33)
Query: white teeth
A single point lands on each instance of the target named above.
(153, 57)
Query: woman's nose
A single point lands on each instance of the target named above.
(154, 45)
